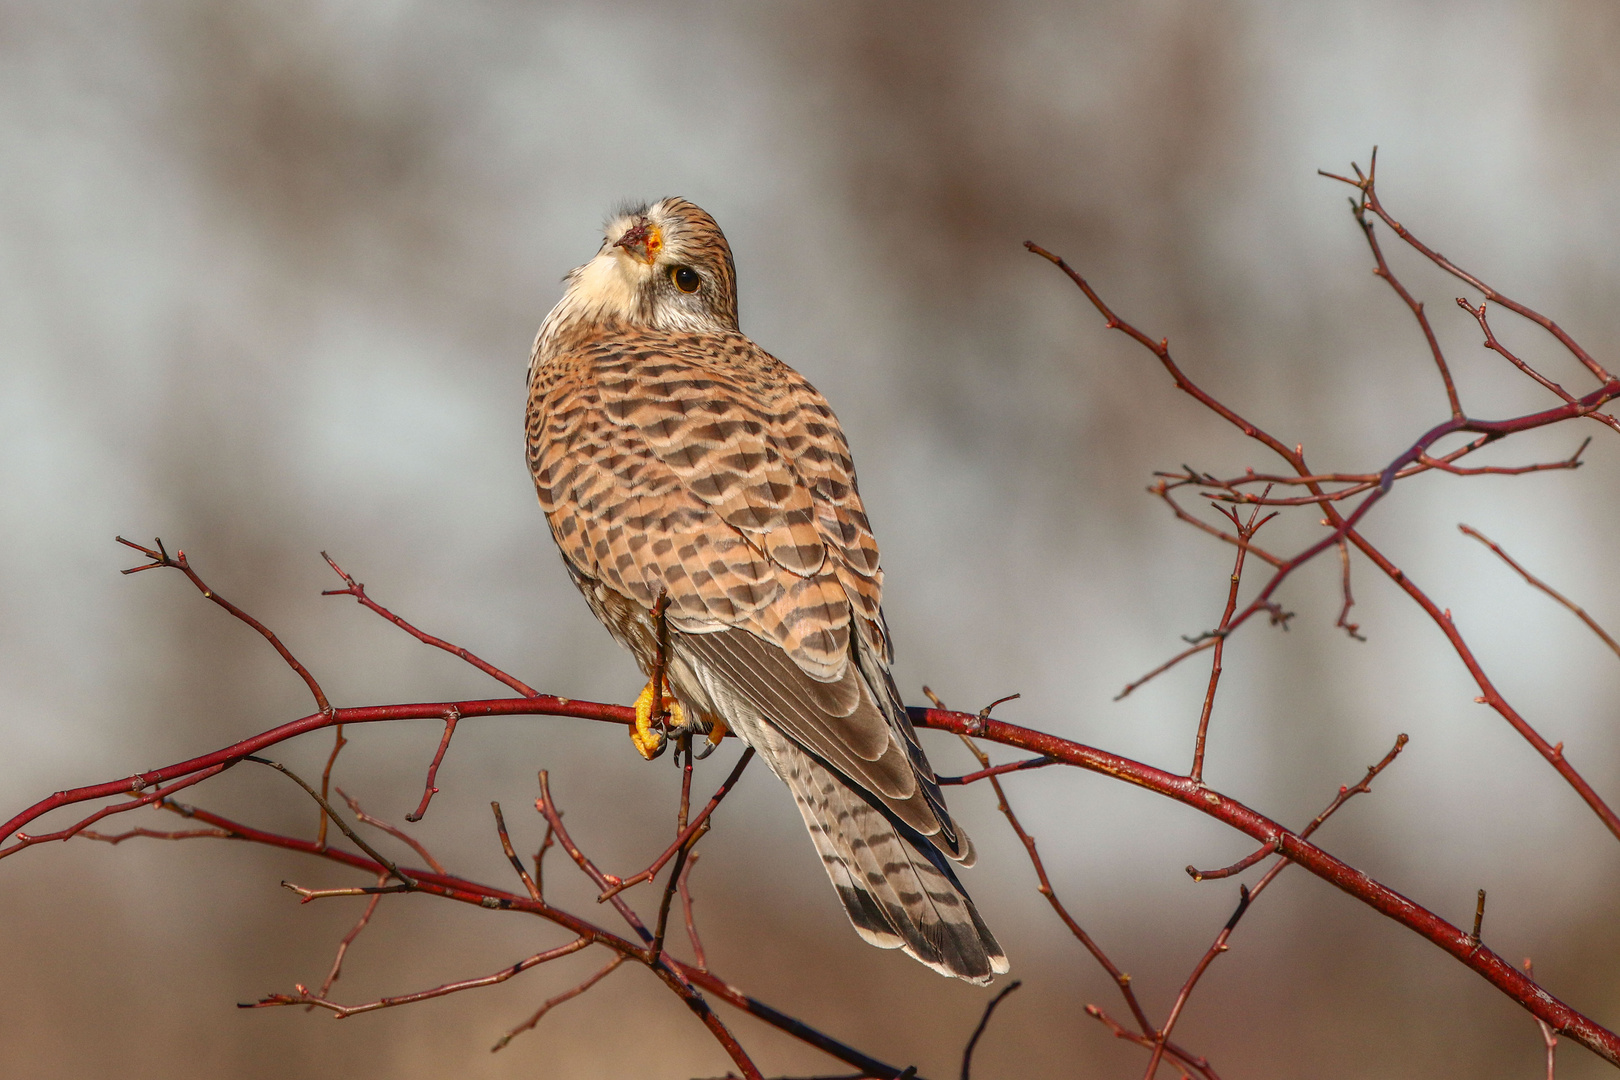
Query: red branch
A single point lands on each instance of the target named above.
(1481, 960)
(451, 718)
(617, 885)
(1342, 526)
(1576, 609)
(1563, 1019)
(358, 591)
(161, 558)
(673, 971)
(685, 980)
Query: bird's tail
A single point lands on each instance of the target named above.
(897, 897)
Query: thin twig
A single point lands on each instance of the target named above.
(1162, 1038)
(1246, 531)
(553, 816)
(995, 770)
(540, 859)
(394, 871)
(655, 951)
(348, 939)
(1131, 687)
(338, 743)
(1580, 612)
(304, 997)
(615, 885)
(161, 557)
(511, 855)
(305, 895)
(154, 834)
(393, 830)
(1236, 868)
(358, 591)
(984, 1021)
(1496, 346)
(1344, 623)
(1548, 1038)
(1345, 794)
(1479, 921)
(701, 960)
(1412, 304)
(551, 1003)
(452, 717)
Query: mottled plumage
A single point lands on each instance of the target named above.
(675, 457)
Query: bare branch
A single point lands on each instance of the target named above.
(551, 1003)
(358, 591)
(161, 558)
(1580, 612)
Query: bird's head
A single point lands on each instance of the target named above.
(665, 267)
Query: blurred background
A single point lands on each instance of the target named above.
(269, 274)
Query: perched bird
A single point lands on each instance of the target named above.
(701, 489)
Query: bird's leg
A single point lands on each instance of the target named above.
(646, 733)
(649, 736)
(655, 708)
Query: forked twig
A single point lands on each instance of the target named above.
(161, 558)
(1361, 787)
(358, 591)
(615, 885)
(1245, 531)
(529, 883)
(1044, 887)
(304, 997)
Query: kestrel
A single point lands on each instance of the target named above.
(682, 467)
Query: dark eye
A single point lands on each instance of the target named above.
(685, 278)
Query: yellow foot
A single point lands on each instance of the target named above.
(644, 733)
(717, 731)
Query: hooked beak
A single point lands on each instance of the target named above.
(642, 241)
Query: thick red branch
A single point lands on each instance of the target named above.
(542, 705)
(1563, 1019)
(484, 896)
(1486, 963)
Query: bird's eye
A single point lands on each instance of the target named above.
(685, 278)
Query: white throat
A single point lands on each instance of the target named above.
(607, 287)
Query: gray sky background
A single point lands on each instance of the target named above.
(268, 278)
